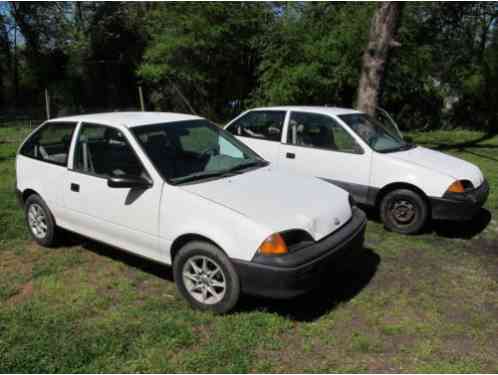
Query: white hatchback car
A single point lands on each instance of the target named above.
(176, 189)
(407, 183)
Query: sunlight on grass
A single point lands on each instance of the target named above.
(430, 306)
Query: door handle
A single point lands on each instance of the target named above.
(290, 155)
(75, 187)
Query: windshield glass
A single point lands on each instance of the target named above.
(378, 136)
(194, 150)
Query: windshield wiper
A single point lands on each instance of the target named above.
(256, 163)
(223, 173)
(200, 176)
(406, 146)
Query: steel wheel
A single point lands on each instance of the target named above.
(37, 221)
(403, 211)
(204, 279)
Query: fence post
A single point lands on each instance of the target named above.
(47, 104)
(141, 97)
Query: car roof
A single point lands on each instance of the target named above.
(128, 119)
(306, 108)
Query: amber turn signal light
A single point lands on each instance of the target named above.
(456, 187)
(273, 245)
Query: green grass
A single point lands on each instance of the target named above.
(425, 303)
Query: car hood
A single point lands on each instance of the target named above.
(442, 163)
(280, 201)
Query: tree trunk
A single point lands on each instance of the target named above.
(383, 29)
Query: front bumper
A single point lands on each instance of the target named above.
(460, 206)
(292, 274)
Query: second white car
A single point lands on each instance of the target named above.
(407, 183)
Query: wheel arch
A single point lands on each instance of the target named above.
(27, 193)
(183, 239)
(400, 185)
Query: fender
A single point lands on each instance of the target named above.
(241, 240)
(387, 170)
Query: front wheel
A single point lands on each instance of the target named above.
(206, 278)
(404, 211)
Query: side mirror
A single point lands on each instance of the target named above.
(124, 181)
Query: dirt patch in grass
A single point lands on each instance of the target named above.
(487, 252)
(24, 293)
(401, 271)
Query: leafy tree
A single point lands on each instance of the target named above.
(204, 57)
(312, 55)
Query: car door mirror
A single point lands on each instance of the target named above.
(125, 181)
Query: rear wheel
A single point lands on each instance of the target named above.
(206, 278)
(40, 221)
(404, 211)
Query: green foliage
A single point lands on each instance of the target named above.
(442, 73)
(218, 59)
(206, 53)
(313, 55)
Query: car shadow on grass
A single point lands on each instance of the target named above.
(353, 273)
(462, 229)
(146, 265)
(344, 283)
(446, 228)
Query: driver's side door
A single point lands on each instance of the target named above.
(122, 217)
(317, 145)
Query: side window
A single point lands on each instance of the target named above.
(320, 131)
(50, 143)
(260, 124)
(104, 151)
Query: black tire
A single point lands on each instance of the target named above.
(197, 251)
(404, 211)
(48, 238)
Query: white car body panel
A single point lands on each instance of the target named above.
(263, 200)
(441, 163)
(267, 149)
(327, 164)
(430, 171)
(186, 213)
(387, 170)
(236, 213)
(44, 178)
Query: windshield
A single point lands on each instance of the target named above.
(194, 150)
(378, 136)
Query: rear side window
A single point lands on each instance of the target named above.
(50, 143)
(265, 125)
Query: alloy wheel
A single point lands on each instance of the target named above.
(204, 279)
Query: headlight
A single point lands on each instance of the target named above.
(460, 186)
(285, 242)
(273, 245)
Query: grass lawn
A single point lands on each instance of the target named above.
(425, 303)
